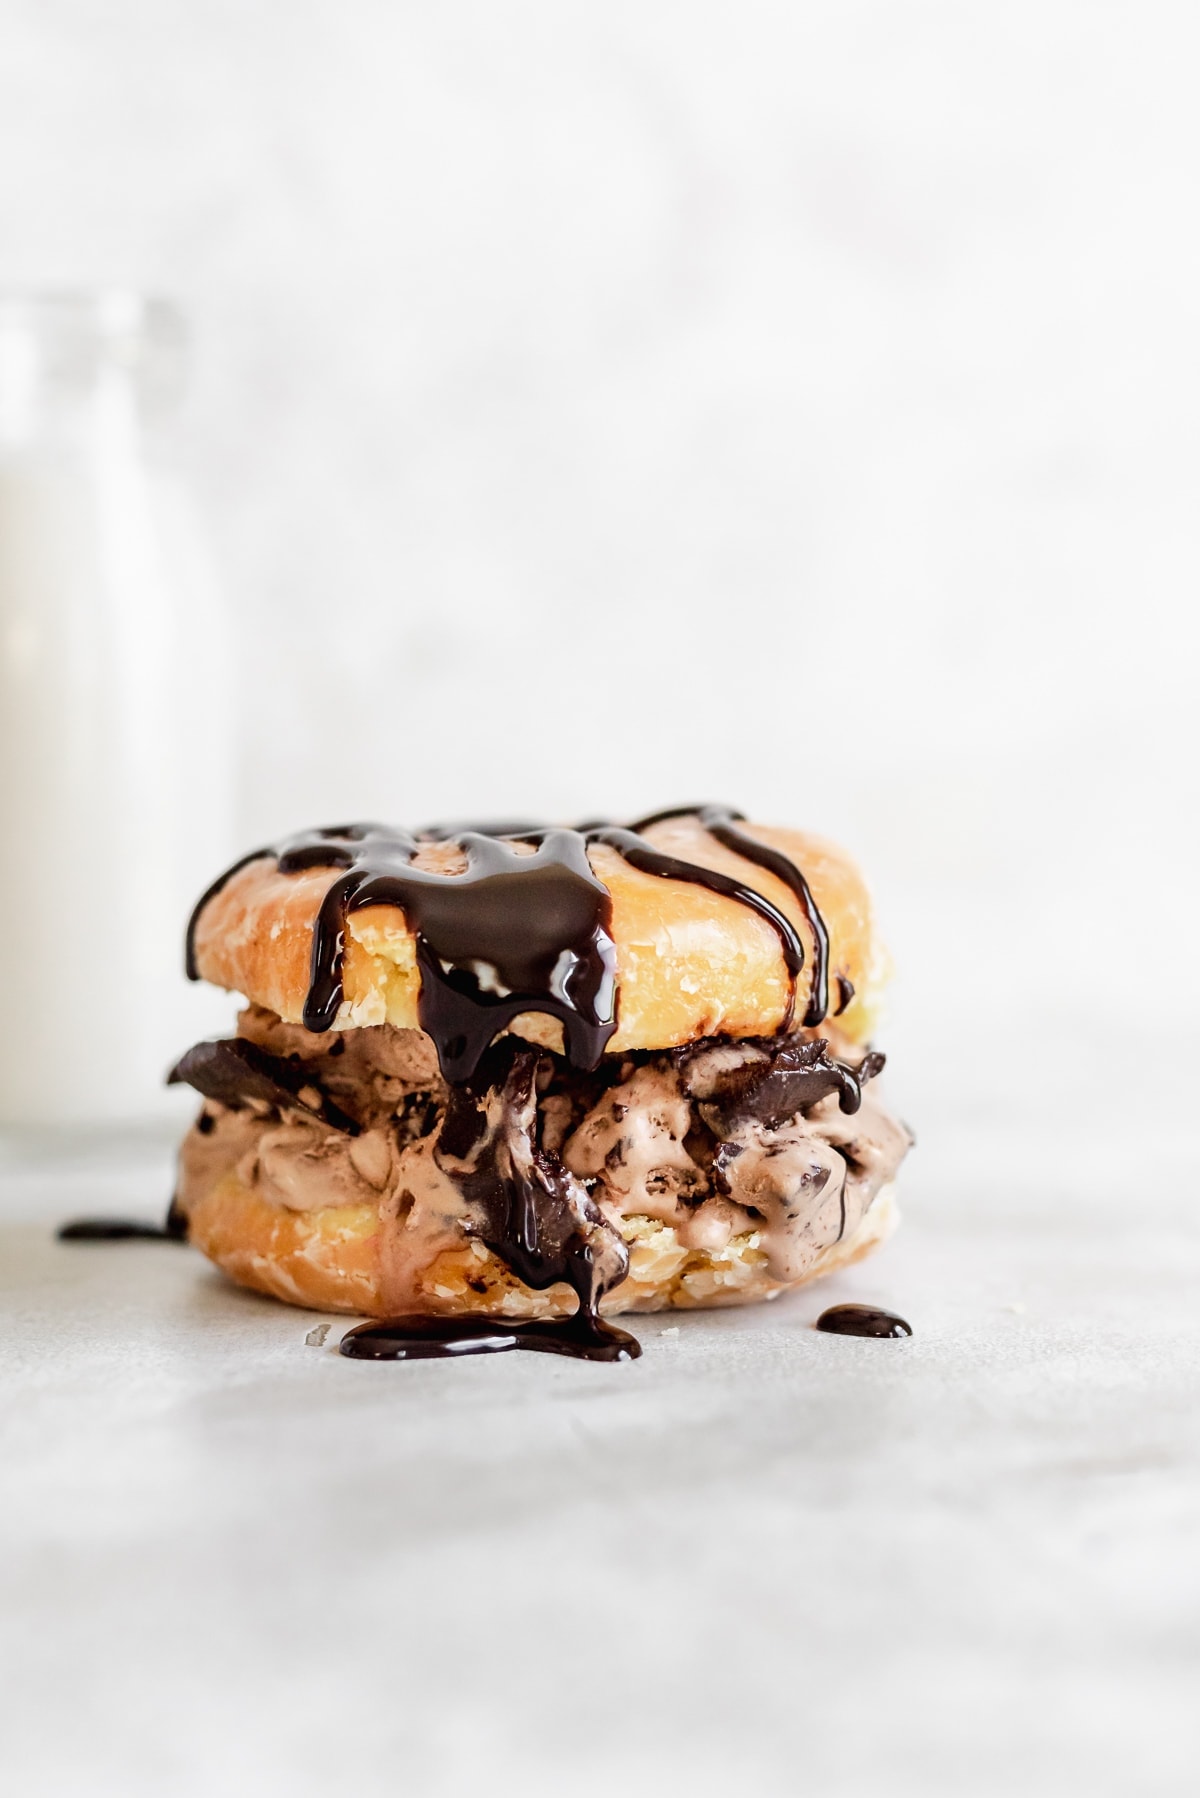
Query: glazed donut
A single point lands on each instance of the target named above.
(690, 962)
(535, 1074)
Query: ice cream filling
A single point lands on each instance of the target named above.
(779, 1136)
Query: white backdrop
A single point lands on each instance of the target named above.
(597, 406)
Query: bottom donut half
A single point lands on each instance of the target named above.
(338, 1172)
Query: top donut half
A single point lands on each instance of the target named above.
(691, 963)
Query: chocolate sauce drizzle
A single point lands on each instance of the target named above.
(721, 822)
(640, 855)
(525, 926)
(862, 1320)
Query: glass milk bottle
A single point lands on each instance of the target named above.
(115, 726)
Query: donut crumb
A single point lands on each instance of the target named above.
(316, 1336)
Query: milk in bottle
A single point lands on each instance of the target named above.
(115, 727)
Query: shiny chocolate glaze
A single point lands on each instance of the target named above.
(524, 928)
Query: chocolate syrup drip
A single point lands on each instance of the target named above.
(523, 1202)
(862, 1320)
(721, 822)
(526, 1206)
(425, 1338)
(514, 932)
(845, 994)
(639, 854)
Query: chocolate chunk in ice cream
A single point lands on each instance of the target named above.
(770, 1080)
(236, 1073)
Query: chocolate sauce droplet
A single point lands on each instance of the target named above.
(845, 994)
(862, 1320)
(425, 1338)
(116, 1229)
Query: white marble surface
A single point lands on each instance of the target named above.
(758, 1560)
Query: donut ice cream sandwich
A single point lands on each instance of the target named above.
(495, 1085)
